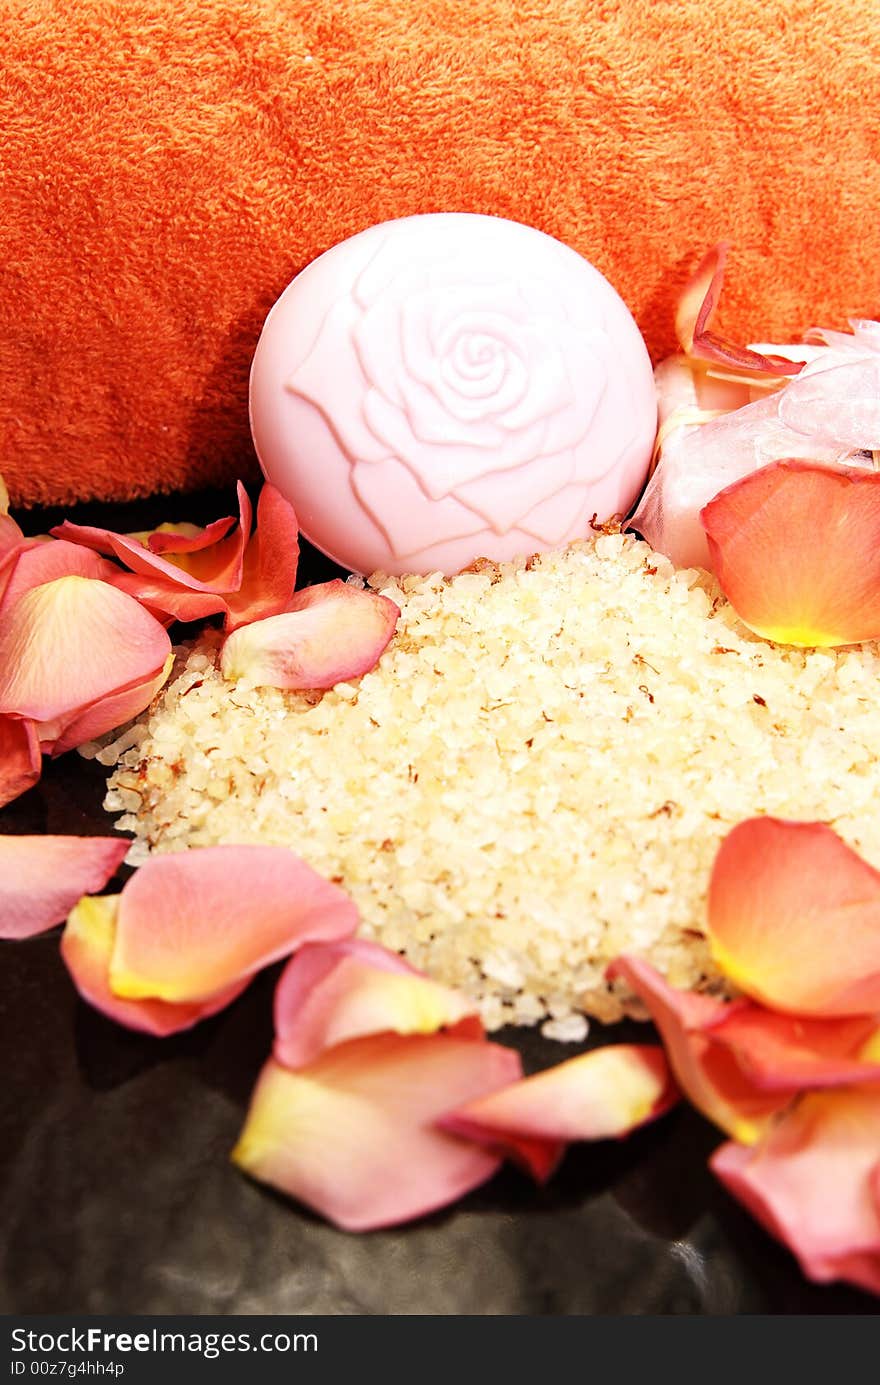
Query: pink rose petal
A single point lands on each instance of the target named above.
(41, 878)
(39, 563)
(20, 757)
(110, 711)
(68, 644)
(196, 922)
(86, 948)
(353, 1135)
(599, 1095)
(333, 632)
(778, 1052)
(812, 1182)
(188, 538)
(11, 536)
(332, 992)
(270, 563)
(167, 600)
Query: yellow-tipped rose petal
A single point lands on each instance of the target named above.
(604, 1094)
(195, 922)
(813, 1183)
(796, 548)
(332, 992)
(707, 1072)
(696, 309)
(794, 918)
(87, 946)
(353, 1135)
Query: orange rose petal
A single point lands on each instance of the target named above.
(812, 1182)
(110, 711)
(333, 632)
(332, 992)
(696, 309)
(270, 563)
(38, 563)
(707, 1072)
(69, 643)
(167, 600)
(86, 948)
(599, 1095)
(187, 538)
(794, 918)
(796, 548)
(20, 757)
(195, 922)
(778, 1052)
(353, 1135)
(41, 878)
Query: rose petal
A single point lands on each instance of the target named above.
(38, 563)
(599, 1095)
(332, 633)
(187, 538)
(68, 644)
(87, 946)
(20, 758)
(164, 598)
(352, 1136)
(796, 548)
(696, 309)
(794, 918)
(11, 536)
(778, 1052)
(812, 1180)
(270, 563)
(332, 992)
(217, 568)
(41, 878)
(195, 922)
(111, 711)
(706, 1071)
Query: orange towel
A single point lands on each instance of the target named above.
(169, 165)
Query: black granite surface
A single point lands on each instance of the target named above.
(116, 1193)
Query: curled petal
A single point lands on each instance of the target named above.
(167, 600)
(794, 918)
(270, 563)
(333, 632)
(68, 644)
(778, 1052)
(41, 878)
(598, 1095)
(353, 1135)
(332, 992)
(87, 946)
(796, 548)
(110, 711)
(812, 1182)
(196, 922)
(186, 538)
(707, 1072)
(37, 563)
(696, 310)
(216, 568)
(20, 757)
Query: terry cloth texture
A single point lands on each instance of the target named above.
(169, 165)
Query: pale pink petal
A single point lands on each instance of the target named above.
(38, 563)
(270, 563)
(86, 948)
(332, 992)
(110, 711)
(599, 1095)
(195, 922)
(812, 1183)
(41, 878)
(20, 757)
(332, 633)
(353, 1136)
(69, 643)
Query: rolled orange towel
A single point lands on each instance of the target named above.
(169, 165)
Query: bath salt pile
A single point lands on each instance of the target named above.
(534, 778)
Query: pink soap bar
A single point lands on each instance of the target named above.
(448, 387)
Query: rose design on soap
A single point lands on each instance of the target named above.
(467, 370)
